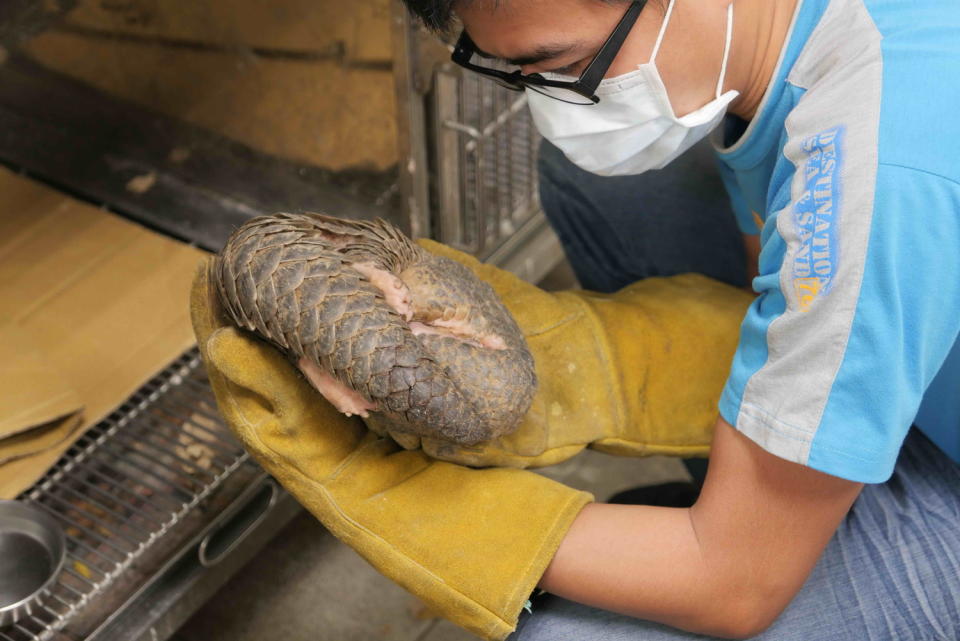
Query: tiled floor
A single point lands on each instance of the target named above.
(307, 586)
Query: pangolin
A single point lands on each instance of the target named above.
(413, 342)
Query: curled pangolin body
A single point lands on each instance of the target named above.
(303, 282)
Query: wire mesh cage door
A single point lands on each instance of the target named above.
(476, 139)
(485, 149)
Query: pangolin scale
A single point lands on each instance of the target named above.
(437, 356)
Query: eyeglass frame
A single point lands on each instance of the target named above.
(586, 85)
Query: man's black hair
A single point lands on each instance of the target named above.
(438, 14)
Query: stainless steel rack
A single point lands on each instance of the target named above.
(132, 495)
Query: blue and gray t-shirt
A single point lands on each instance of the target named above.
(850, 171)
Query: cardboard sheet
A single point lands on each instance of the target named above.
(104, 299)
(32, 391)
(39, 439)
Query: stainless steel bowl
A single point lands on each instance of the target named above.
(32, 553)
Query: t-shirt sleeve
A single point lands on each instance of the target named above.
(859, 306)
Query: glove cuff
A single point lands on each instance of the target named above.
(473, 551)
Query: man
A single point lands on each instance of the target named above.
(838, 149)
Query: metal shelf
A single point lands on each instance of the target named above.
(157, 477)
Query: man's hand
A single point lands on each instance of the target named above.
(727, 566)
(413, 518)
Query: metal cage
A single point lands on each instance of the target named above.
(479, 144)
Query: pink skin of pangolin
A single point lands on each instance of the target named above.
(397, 295)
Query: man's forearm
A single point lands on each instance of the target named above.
(725, 567)
(641, 561)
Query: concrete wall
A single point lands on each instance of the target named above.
(307, 80)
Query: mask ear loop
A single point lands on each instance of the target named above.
(663, 30)
(726, 46)
(726, 50)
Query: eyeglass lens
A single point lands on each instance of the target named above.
(559, 93)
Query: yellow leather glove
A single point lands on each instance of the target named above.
(637, 372)
(470, 543)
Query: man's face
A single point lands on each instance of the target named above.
(564, 36)
(561, 36)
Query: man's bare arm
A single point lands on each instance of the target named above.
(728, 565)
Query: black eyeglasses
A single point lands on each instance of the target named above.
(574, 92)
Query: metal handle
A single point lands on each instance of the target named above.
(237, 522)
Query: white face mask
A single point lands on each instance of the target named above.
(633, 128)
